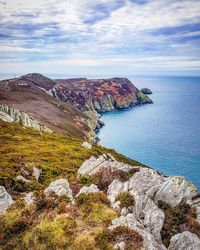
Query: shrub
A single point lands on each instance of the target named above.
(126, 199)
(121, 233)
(177, 220)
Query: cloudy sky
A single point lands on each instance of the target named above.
(100, 37)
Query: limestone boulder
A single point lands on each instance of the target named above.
(36, 173)
(60, 187)
(184, 241)
(86, 190)
(5, 200)
(175, 190)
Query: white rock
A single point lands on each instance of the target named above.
(153, 219)
(5, 117)
(86, 145)
(174, 190)
(114, 189)
(5, 200)
(120, 246)
(36, 173)
(29, 198)
(146, 181)
(124, 211)
(86, 190)
(93, 165)
(184, 241)
(149, 241)
(60, 187)
(21, 178)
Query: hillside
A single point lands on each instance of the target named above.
(68, 106)
(56, 193)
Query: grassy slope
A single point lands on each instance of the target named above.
(57, 155)
(49, 224)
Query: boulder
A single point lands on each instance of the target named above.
(149, 241)
(5, 200)
(86, 190)
(184, 241)
(146, 91)
(175, 190)
(36, 173)
(29, 198)
(146, 181)
(93, 165)
(86, 145)
(60, 187)
(153, 219)
(5, 117)
(114, 189)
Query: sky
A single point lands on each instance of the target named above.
(100, 37)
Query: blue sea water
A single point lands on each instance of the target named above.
(164, 135)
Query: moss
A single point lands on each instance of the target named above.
(126, 199)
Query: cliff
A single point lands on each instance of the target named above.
(57, 192)
(69, 106)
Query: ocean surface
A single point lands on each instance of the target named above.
(164, 135)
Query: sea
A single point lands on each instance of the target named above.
(164, 135)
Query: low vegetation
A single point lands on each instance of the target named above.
(131, 238)
(126, 199)
(178, 219)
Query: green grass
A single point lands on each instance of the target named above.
(57, 155)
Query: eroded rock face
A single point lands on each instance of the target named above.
(86, 190)
(184, 241)
(5, 200)
(174, 190)
(5, 117)
(93, 165)
(13, 114)
(60, 187)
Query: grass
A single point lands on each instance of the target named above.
(57, 155)
(50, 223)
(126, 199)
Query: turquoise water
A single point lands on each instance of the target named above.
(164, 135)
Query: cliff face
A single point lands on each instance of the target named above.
(10, 114)
(108, 94)
(69, 106)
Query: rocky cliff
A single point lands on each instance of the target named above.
(69, 106)
(57, 192)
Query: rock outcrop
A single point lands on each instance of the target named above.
(86, 190)
(36, 173)
(93, 165)
(146, 91)
(5, 200)
(11, 114)
(147, 187)
(174, 190)
(60, 187)
(183, 241)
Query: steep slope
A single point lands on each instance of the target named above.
(25, 95)
(107, 94)
(69, 106)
